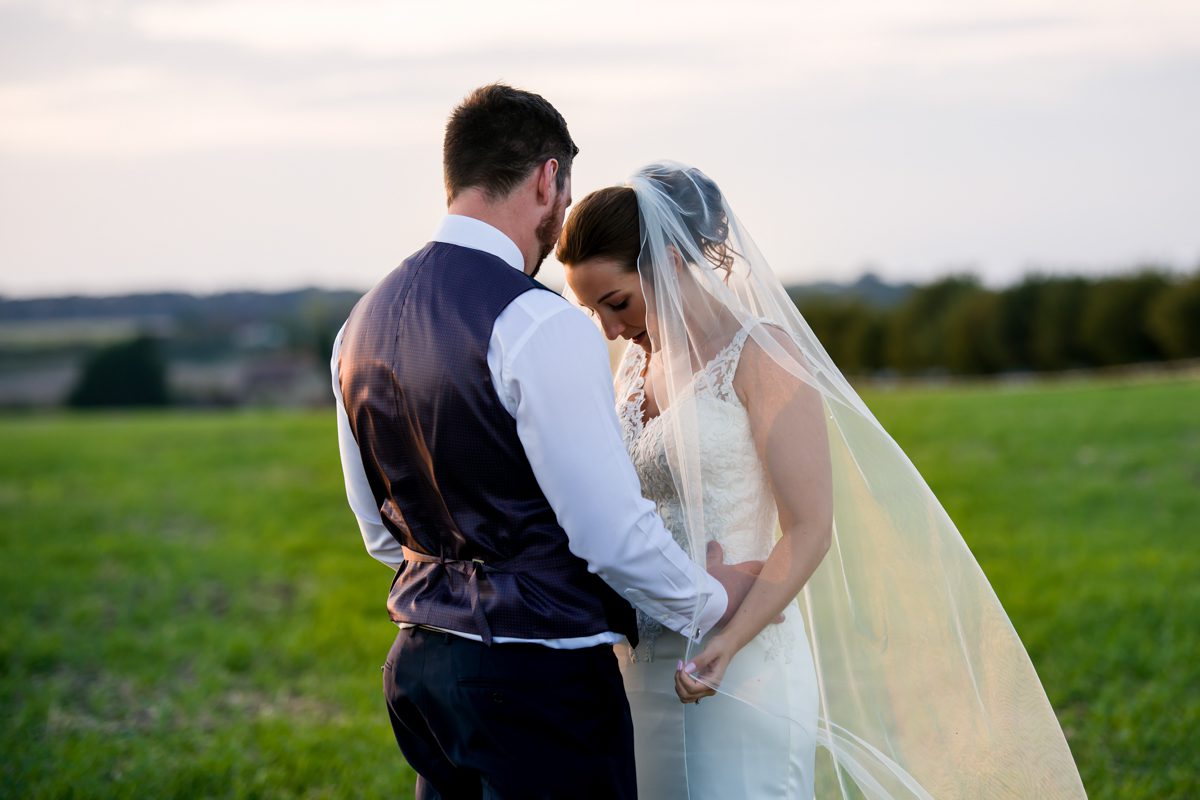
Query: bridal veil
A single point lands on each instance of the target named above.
(925, 688)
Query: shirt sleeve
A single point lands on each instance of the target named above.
(550, 367)
(380, 543)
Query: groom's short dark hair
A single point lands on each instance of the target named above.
(498, 135)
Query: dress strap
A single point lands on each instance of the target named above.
(720, 371)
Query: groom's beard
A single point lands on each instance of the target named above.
(547, 236)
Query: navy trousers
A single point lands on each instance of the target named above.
(509, 721)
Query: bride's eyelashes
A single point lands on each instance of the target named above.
(621, 306)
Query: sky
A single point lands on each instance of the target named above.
(210, 145)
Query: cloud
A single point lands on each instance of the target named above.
(129, 77)
(916, 134)
(848, 34)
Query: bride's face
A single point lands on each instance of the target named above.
(614, 294)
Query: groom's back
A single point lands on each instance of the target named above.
(445, 463)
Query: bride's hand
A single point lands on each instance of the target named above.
(710, 665)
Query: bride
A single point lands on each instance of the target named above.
(871, 659)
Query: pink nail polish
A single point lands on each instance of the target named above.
(678, 665)
(690, 668)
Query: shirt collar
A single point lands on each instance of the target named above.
(478, 235)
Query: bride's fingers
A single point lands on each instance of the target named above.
(684, 695)
(683, 688)
(689, 690)
(681, 691)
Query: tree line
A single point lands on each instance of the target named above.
(1043, 323)
(953, 325)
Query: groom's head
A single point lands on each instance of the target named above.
(507, 145)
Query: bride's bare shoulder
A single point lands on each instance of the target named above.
(770, 360)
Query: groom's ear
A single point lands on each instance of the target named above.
(547, 182)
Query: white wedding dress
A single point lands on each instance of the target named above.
(761, 744)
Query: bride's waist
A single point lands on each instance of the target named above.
(738, 545)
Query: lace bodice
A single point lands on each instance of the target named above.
(738, 508)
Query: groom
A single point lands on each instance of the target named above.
(483, 461)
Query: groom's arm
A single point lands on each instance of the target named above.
(550, 368)
(380, 543)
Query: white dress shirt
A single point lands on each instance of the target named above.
(550, 369)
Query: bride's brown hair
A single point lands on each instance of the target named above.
(605, 224)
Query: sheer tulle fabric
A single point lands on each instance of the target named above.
(925, 690)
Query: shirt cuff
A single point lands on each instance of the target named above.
(711, 614)
(708, 618)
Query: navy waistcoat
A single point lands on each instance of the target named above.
(484, 553)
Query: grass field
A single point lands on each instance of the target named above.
(188, 610)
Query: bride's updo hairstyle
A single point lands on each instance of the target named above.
(605, 224)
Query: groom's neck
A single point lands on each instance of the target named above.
(509, 215)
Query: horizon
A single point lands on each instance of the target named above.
(227, 146)
(1170, 270)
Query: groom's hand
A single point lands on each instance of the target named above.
(736, 578)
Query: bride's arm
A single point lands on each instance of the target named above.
(787, 421)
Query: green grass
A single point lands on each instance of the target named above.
(188, 610)
(1082, 504)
